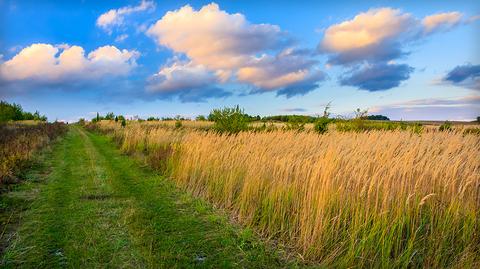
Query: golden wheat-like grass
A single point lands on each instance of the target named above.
(388, 199)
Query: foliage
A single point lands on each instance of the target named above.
(377, 117)
(201, 118)
(178, 124)
(81, 122)
(14, 112)
(110, 116)
(321, 125)
(446, 126)
(294, 118)
(295, 124)
(152, 119)
(19, 141)
(229, 120)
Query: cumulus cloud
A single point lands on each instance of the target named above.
(115, 17)
(377, 77)
(53, 64)
(233, 48)
(187, 80)
(377, 37)
(380, 34)
(467, 76)
(213, 37)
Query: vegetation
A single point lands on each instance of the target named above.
(447, 126)
(14, 112)
(229, 120)
(356, 199)
(19, 141)
(96, 208)
(377, 117)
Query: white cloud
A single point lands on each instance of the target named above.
(213, 37)
(181, 75)
(231, 47)
(115, 17)
(367, 29)
(380, 34)
(121, 38)
(443, 21)
(49, 63)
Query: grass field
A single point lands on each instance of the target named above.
(84, 205)
(342, 199)
(188, 196)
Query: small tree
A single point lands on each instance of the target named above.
(321, 124)
(124, 122)
(110, 116)
(230, 120)
(200, 118)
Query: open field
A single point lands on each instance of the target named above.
(366, 199)
(83, 205)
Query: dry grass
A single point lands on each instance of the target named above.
(18, 141)
(371, 199)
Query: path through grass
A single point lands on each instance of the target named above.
(98, 209)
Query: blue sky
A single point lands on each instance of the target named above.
(403, 59)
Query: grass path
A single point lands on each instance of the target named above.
(95, 208)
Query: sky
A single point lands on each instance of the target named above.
(408, 60)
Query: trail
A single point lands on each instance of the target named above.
(96, 208)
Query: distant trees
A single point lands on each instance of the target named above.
(14, 112)
(377, 117)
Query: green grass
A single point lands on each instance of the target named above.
(87, 206)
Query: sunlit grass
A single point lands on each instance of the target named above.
(377, 198)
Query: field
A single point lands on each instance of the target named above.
(397, 198)
(189, 193)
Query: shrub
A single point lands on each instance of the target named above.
(230, 120)
(296, 124)
(201, 118)
(446, 126)
(178, 124)
(124, 122)
(321, 125)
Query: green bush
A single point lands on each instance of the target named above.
(295, 124)
(178, 124)
(229, 120)
(321, 125)
(446, 126)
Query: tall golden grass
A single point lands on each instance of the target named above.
(371, 199)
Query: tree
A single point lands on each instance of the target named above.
(230, 120)
(110, 116)
(377, 117)
(201, 118)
